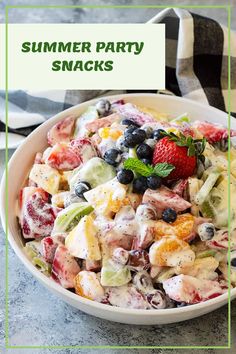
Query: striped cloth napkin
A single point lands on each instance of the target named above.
(196, 68)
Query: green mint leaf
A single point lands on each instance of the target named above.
(163, 169)
(138, 166)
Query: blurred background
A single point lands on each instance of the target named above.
(106, 15)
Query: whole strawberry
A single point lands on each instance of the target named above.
(179, 151)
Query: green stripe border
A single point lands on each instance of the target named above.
(229, 178)
(7, 7)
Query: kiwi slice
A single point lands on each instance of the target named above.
(206, 188)
(207, 209)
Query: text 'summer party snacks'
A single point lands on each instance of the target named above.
(128, 207)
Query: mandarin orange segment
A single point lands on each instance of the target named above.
(88, 285)
(162, 252)
(106, 133)
(182, 227)
(78, 287)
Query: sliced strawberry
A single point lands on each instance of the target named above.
(62, 132)
(49, 246)
(64, 267)
(63, 157)
(84, 148)
(185, 288)
(131, 112)
(96, 124)
(37, 216)
(26, 193)
(165, 198)
(213, 132)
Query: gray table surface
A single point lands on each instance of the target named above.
(106, 15)
(36, 317)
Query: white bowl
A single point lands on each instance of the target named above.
(18, 170)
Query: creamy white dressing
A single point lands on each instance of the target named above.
(180, 258)
(127, 296)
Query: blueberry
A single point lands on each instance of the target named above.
(169, 215)
(149, 131)
(206, 231)
(154, 182)
(113, 157)
(140, 185)
(129, 122)
(140, 135)
(125, 176)
(103, 107)
(134, 136)
(130, 141)
(144, 151)
(146, 161)
(233, 262)
(158, 134)
(81, 188)
(129, 130)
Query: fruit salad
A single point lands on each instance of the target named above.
(128, 207)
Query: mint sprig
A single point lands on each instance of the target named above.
(139, 167)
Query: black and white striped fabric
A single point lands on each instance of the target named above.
(196, 68)
(197, 58)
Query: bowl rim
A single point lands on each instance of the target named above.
(48, 282)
